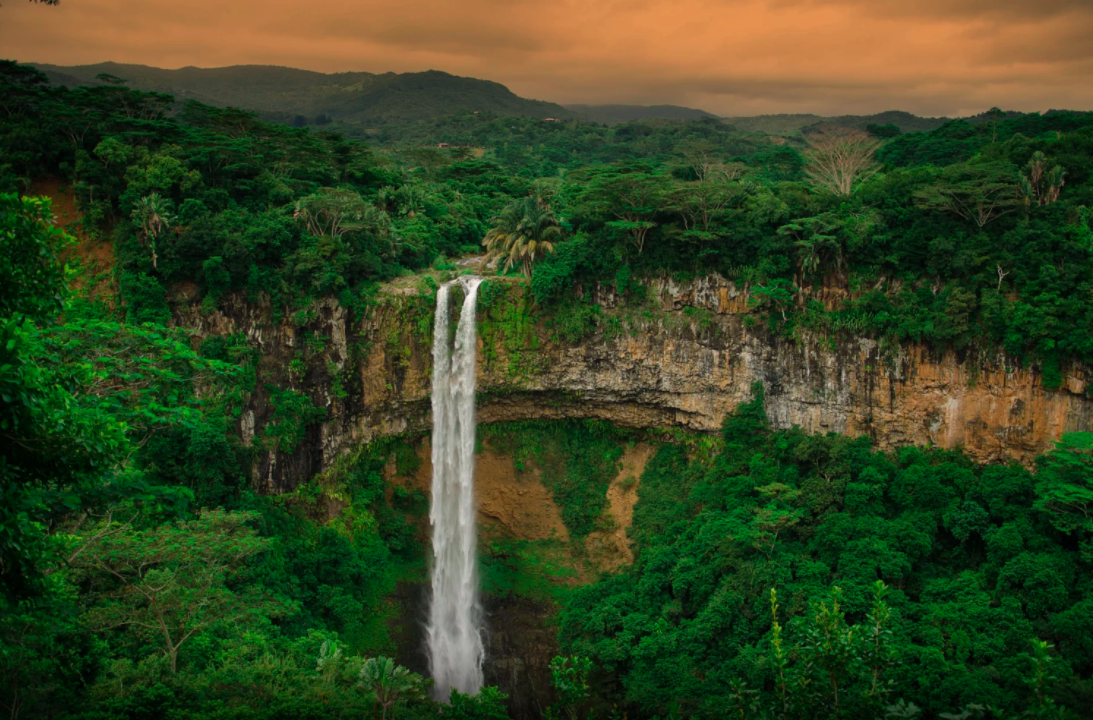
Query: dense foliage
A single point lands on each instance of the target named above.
(141, 574)
(979, 561)
(972, 235)
(219, 197)
(969, 236)
(127, 513)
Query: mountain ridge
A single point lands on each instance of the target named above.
(611, 114)
(795, 123)
(286, 94)
(367, 100)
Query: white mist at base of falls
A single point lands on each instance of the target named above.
(454, 631)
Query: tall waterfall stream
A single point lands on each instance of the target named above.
(454, 631)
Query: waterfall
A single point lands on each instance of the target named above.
(454, 632)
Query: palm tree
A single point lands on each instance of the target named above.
(544, 190)
(389, 683)
(1039, 182)
(524, 231)
(154, 215)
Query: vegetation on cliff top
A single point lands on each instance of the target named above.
(971, 235)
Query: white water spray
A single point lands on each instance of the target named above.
(454, 631)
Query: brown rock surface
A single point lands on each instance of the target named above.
(93, 253)
(685, 359)
(610, 550)
(510, 504)
(517, 506)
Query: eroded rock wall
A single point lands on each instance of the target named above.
(685, 358)
(515, 505)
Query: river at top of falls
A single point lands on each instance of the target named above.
(454, 631)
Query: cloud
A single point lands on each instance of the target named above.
(955, 9)
(727, 56)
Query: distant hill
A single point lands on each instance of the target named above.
(303, 96)
(795, 124)
(612, 114)
(361, 102)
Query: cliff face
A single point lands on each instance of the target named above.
(514, 504)
(685, 358)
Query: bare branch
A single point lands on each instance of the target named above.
(840, 159)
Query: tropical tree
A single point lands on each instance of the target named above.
(522, 233)
(43, 654)
(1040, 182)
(703, 159)
(75, 398)
(883, 132)
(488, 704)
(387, 199)
(1065, 487)
(544, 190)
(625, 199)
(171, 582)
(335, 669)
(698, 157)
(153, 215)
(144, 377)
(817, 242)
(426, 158)
(569, 678)
(980, 192)
(702, 204)
(32, 276)
(331, 212)
(56, 454)
(390, 684)
(840, 159)
(411, 199)
(778, 292)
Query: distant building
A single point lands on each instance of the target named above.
(443, 145)
(550, 119)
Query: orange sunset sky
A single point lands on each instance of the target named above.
(732, 57)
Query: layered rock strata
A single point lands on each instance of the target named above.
(684, 358)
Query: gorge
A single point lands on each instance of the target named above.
(683, 360)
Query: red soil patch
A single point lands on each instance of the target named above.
(92, 256)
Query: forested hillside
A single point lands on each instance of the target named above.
(146, 573)
(357, 101)
(611, 114)
(303, 97)
(793, 124)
